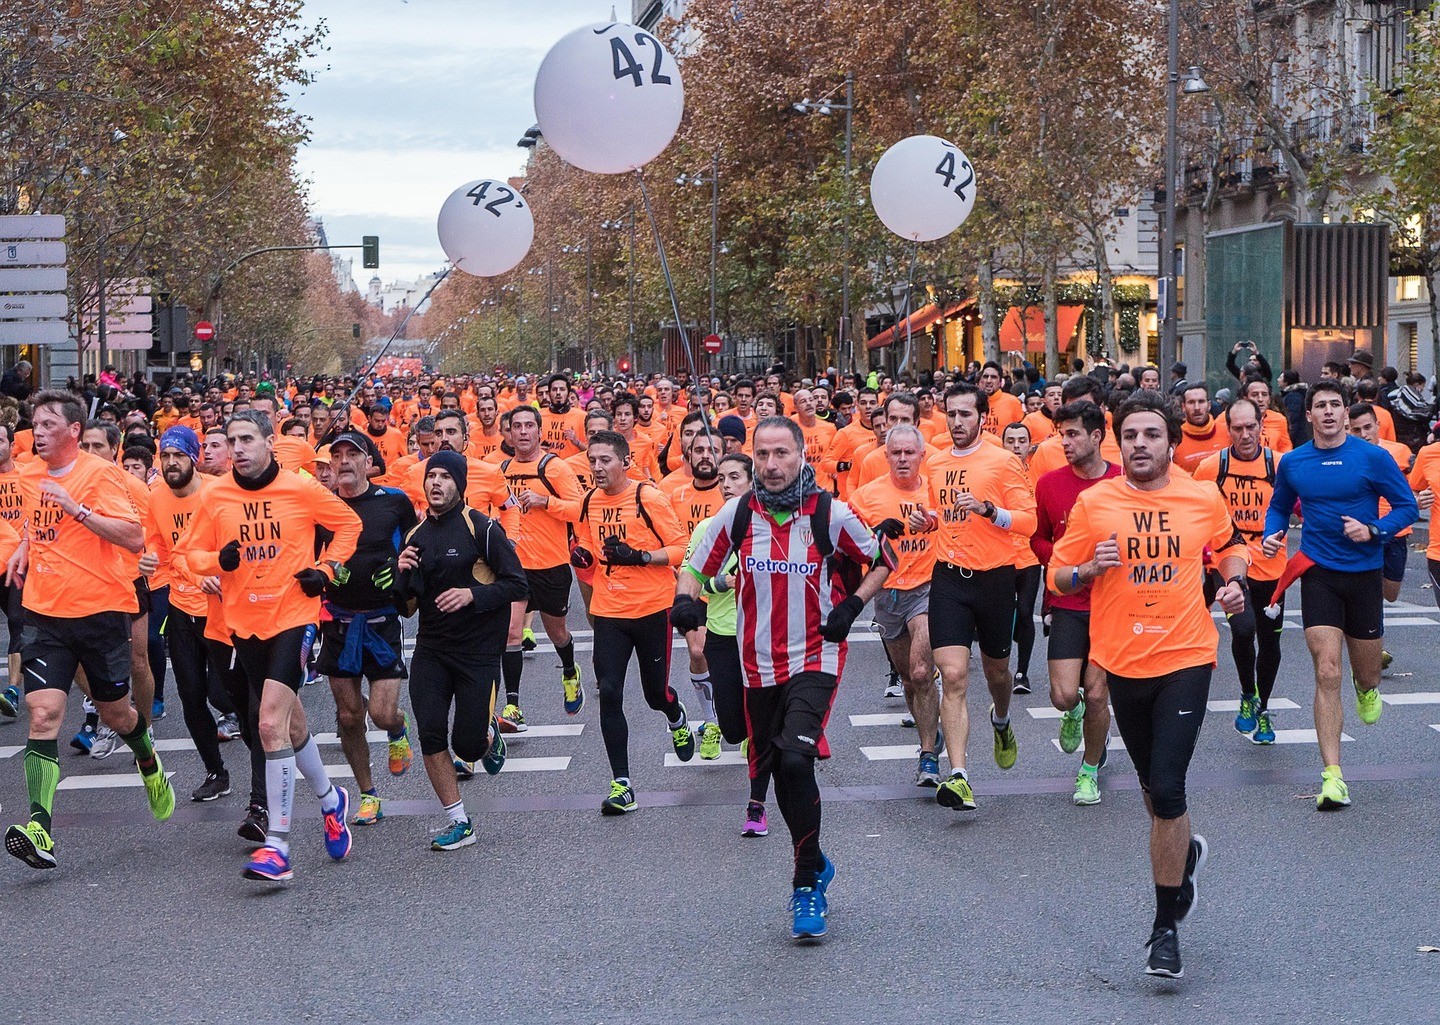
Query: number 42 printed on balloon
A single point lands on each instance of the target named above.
(479, 192)
(947, 170)
(627, 66)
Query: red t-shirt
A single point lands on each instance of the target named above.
(1055, 495)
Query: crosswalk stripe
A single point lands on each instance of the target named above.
(1111, 744)
(1225, 705)
(672, 761)
(1419, 697)
(110, 781)
(891, 752)
(878, 719)
(555, 764)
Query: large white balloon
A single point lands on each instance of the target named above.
(923, 188)
(485, 228)
(608, 98)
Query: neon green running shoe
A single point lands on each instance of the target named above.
(1006, 746)
(399, 751)
(574, 694)
(620, 800)
(1072, 728)
(1367, 703)
(370, 811)
(710, 742)
(1087, 788)
(31, 844)
(955, 793)
(1334, 794)
(160, 793)
(527, 639)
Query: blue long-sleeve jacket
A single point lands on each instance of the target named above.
(1348, 480)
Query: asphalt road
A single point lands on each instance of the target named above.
(1029, 909)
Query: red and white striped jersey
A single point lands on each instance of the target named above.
(784, 591)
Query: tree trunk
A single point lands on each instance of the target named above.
(1106, 281)
(1434, 305)
(1052, 320)
(989, 325)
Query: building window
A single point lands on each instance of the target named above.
(1410, 288)
(1409, 342)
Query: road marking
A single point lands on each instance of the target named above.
(1419, 697)
(672, 761)
(1303, 737)
(10, 752)
(1111, 744)
(1410, 621)
(1234, 706)
(557, 764)
(107, 782)
(891, 752)
(878, 719)
(557, 730)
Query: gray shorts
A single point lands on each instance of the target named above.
(894, 609)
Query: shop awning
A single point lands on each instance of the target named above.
(1024, 327)
(918, 322)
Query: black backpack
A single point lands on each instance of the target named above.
(846, 571)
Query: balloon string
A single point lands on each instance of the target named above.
(674, 302)
(909, 289)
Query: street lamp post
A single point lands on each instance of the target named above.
(844, 345)
(616, 225)
(714, 183)
(584, 247)
(1194, 83)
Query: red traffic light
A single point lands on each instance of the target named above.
(624, 366)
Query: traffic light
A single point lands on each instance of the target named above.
(354, 330)
(370, 252)
(624, 366)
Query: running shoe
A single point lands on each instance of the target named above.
(1072, 728)
(216, 786)
(527, 639)
(493, 760)
(159, 792)
(574, 693)
(621, 799)
(157, 710)
(1334, 794)
(84, 741)
(1386, 661)
(337, 827)
(1087, 788)
(1195, 859)
(955, 793)
(10, 702)
(31, 844)
(683, 739)
(269, 864)
(1367, 703)
(464, 769)
(907, 720)
(808, 908)
(255, 824)
(228, 728)
(1007, 749)
(755, 824)
(745, 748)
(710, 742)
(1264, 730)
(826, 876)
(106, 742)
(1021, 685)
(370, 811)
(512, 720)
(893, 687)
(460, 834)
(1249, 709)
(401, 754)
(1164, 959)
(927, 770)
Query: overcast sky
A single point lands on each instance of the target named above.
(414, 98)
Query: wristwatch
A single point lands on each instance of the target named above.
(1374, 532)
(989, 511)
(644, 558)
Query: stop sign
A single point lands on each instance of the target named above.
(712, 344)
(204, 331)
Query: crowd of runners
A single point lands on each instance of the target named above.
(253, 536)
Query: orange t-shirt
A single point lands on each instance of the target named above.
(1004, 410)
(552, 431)
(166, 521)
(991, 474)
(1425, 473)
(73, 572)
(391, 444)
(1387, 426)
(1403, 458)
(23, 448)
(542, 536)
(1050, 456)
(817, 443)
(275, 526)
(1148, 616)
(485, 492)
(140, 495)
(12, 506)
(673, 482)
(693, 503)
(579, 464)
(1247, 496)
(629, 592)
(481, 444)
(294, 454)
(643, 464)
(1275, 431)
(1039, 425)
(842, 450)
(164, 420)
(882, 499)
(1197, 444)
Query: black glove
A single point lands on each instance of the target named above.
(230, 557)
(891, 528)
(842, 467)
(384, 578)
(842, 616)
(687, 613)
(618, 553)
(581, 558)
(313, 581)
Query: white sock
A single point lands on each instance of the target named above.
(307, 759)
(704, 696)
(280, 796)
(456, 811)
(999, 724)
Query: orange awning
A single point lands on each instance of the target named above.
(1026, 324)
(918, 322)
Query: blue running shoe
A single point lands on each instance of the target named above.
(808, 907)
(10, 702)
(269, 864)
(1264, 730)
(85, 739)
(460, 834)
(826, 876)
(157, 710)
(337, 827)
(1249, 710)
(463, 769)
(493, 759)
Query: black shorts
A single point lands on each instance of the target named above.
(1069, 635)
(790, 717)
(332, 643)
(51, 648)
(1159, 720)
(14, 618)
(275, 658)
(1352, 602)
(1396, 552)
(970, 605)
(142, 597)
(549, 590)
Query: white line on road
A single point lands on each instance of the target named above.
(672, 761)
(1111, 744)
(108, 782)
(891, 752)
(558, 764)
(878, 719)
(1276, 704)
(1419, 697)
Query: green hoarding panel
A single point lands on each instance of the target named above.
(1244, 297)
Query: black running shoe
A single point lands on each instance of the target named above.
(1195, 859)
(1022, 684)
(216, 785)
(256, 824)
(1164, 955)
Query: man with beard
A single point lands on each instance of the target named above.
(1003, 409)
(1202, 435)
(818, 435)
(840, 457)
(561, 425)
(694, 501)
(487, 438)
(643, 464)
